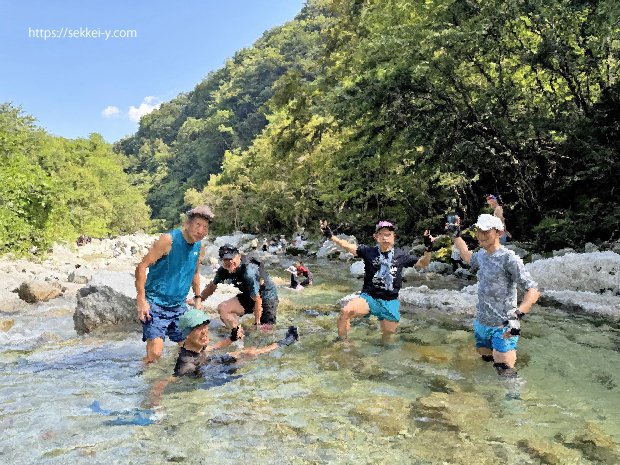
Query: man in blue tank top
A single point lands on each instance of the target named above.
(173, 263)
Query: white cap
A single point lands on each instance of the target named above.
(486, 222)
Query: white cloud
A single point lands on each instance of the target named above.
(148, 105)
(111, 112)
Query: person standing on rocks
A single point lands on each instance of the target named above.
(500, 271)
(383, 268)
(173, 263)
(498, 211)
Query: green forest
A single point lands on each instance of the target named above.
(55, 189)
(358, 110)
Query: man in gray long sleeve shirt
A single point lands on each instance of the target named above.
(500, 271)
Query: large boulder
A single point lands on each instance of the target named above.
(103, 307)
(34, 291)
(590, 272)
(333, 252)
(589, 302)
(236, 239)
(422, 297)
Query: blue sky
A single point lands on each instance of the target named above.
(68, 83)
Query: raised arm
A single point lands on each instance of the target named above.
(327, 232)
(425, 260)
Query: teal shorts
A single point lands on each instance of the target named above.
(492, 337)
(383, 309)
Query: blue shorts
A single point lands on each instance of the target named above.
(383, 309)
(163, 322)
(491, 337)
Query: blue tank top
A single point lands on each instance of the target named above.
(171, 276)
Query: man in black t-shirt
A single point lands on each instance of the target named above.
(383, 268)
(258, 294)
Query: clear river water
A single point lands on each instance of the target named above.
(425, 399)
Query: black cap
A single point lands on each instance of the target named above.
(228, 251)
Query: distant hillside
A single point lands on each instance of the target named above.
(54, 188)
(360, 110)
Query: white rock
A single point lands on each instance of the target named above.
(439, 268)
(590, 247)
(80, 276)
(585, 301)
(562, 252)
(235, 240)
(592, 272)
(441, 299)
(357, 269)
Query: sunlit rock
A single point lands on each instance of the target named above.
(444, 300)
(593, 272)
(589, 302)
(357, 269)
(33, 291)
(236, 239)
(102, 306)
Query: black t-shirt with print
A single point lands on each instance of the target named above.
(375, 287)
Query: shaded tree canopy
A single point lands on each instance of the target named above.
(366, 109)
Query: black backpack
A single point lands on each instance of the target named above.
(262, 273)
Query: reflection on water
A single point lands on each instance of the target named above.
(425, 399)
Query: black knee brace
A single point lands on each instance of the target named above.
(504, 370)
(487, 358)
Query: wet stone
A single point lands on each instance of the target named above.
(458, 410)
(550, 453)
(596, 444)
(389, 414)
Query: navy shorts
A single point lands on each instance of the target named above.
(270, 306)
(164, 322)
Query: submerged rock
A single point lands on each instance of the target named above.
(458, 410)
(102, 306)
(389, 414)
(550, 452)
(596, 444)
(33, 292)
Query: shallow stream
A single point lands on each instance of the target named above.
(425, 399)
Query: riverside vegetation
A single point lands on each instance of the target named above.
(357, 110)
